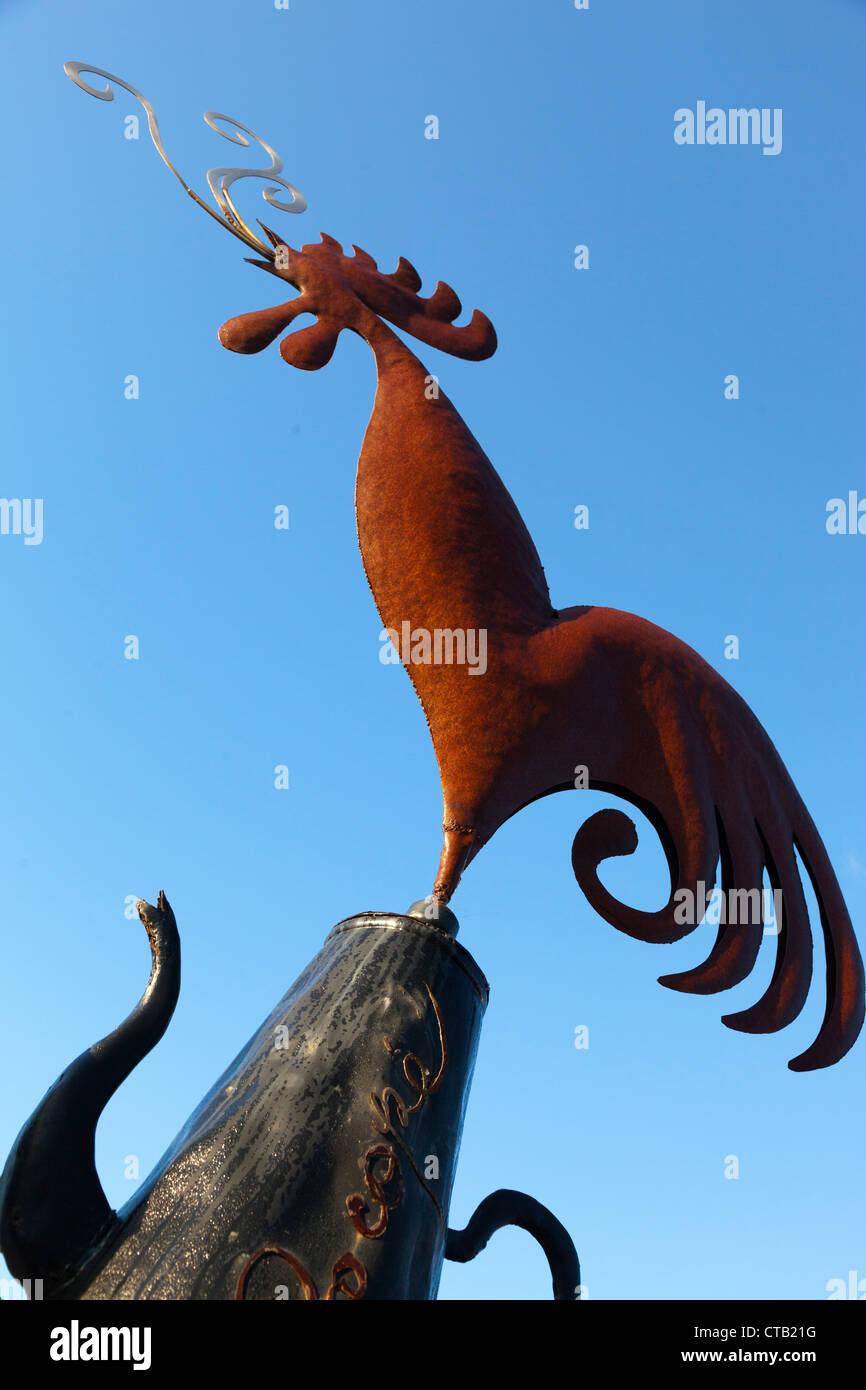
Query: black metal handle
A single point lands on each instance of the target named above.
(509, 1208)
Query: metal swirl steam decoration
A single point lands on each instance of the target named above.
(220, 179)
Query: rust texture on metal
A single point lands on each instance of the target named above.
(346, 1264)
(446, 550)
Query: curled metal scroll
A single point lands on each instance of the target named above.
(219, 179)
(509, 1208)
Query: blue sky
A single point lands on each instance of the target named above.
(260, 647)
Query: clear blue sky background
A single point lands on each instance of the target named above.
(261, 647)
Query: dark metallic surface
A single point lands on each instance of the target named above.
(319, 1166)
(53, 1211)
(509, 1208)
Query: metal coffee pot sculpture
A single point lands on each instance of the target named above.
(321, 1163)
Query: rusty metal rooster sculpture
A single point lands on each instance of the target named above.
(445, 548)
